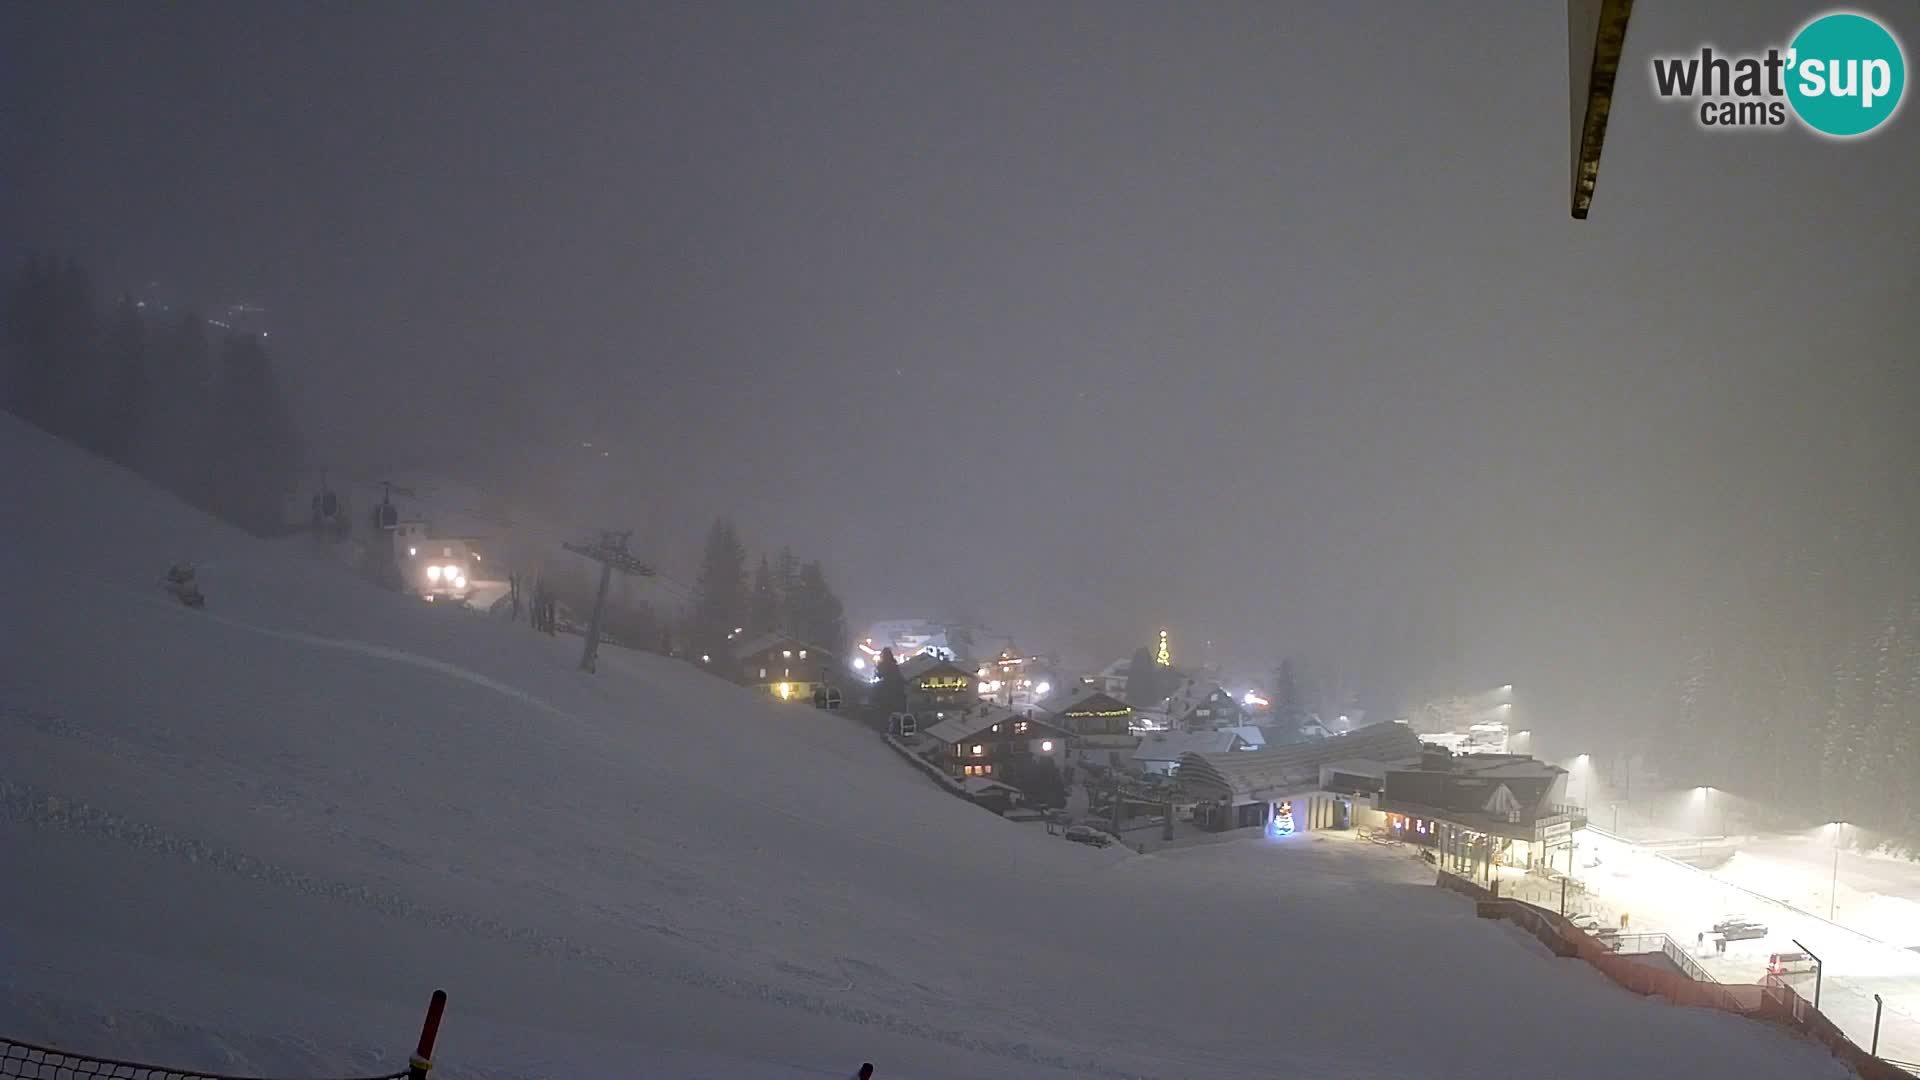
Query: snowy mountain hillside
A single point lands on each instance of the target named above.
(255, 836)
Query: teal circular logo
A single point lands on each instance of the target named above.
(1846, 74)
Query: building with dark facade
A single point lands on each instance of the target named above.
(785, 667)
(1101, 725)
(993, 741)
(938, 688)
(1478, 810)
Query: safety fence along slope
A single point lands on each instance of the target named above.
(30, 1061)
(1685, 982)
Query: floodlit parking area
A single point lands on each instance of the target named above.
(1620, 881)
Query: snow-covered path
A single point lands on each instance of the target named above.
(256, 840)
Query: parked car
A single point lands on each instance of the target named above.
(1086, 834)
(1790, 963)
(1740, 929)
(1608, 936)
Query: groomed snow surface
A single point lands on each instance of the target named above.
(252, 838)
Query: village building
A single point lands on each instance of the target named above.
(785, 667)
(938, 688)
(1112, 679)
(993, 741)
(1200, 704)
(1159, 753)
(1283, 786)
(1101, 726)
(1480, 810)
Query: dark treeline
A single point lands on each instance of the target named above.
(784, 595)
(1806, 692)
(201, 417)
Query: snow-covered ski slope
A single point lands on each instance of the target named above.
(255, 837)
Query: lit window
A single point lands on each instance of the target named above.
(787, 653)
(995, 729)
(763, 673)
(1019, 727)
(978, 749)
(803, 654)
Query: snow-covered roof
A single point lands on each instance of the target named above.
(1254, 736)
(1359, 767)
(979, 718)
(981, 785)
(1169, 745)
(1191, 694)
(925, 662)
(1250, 775)
(774, 639)
(1505, 766)
(1074, 695)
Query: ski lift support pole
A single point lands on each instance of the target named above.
(612, 554)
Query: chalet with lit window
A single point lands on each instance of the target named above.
(1204, 705)
(938, 688)
(1101, 725)
(987, 740)
(786, 667)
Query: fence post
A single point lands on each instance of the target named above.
(1875, 1052)
(422, 1059)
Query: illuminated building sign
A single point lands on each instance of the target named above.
(1077, 714)
(944, 682)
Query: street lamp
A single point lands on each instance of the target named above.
(1705, 795)
(1819, 971)
(1833, 883)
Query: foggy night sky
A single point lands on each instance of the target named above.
(1265, 322)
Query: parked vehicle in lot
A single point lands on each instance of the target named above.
(1790, 963)
(1085, 834)
(1740, 929)
(1608, 936)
